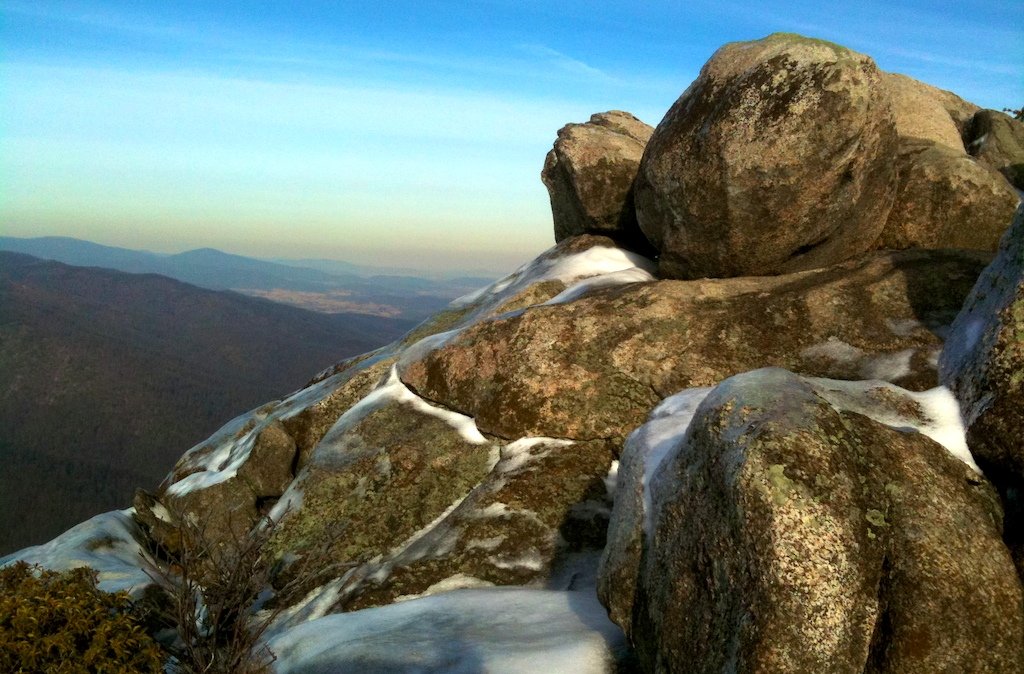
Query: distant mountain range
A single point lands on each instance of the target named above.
(108, 377)
(321, 285)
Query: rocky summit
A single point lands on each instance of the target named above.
(758, 409)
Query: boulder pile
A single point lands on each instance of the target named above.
(763, 398)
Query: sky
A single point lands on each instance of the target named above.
(402, 133)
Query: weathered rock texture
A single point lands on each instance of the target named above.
(593, 368)
(589, 174)
(983, 361)
(379, 477)
(543, 502)
(924, 112)
(778, 158)
(224, 485)
(997, 140)
(397, 497)
(792, 533)
(946, 199)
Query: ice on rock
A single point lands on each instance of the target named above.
(516, 455)
(888, 366)
(394, 391)
(616, 278)
(108, 543)
(938, 413)
(459, 581)
(219, 458)
(647, 446)
(596, 267)
(596, 261)
(500, 631)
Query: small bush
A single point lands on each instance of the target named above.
(62, 622)
(221, 591)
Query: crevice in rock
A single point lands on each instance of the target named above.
(882, 634)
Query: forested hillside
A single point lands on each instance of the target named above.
(109, 376)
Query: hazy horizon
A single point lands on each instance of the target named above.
(369, 263)
(405, 134)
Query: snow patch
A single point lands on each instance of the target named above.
(314, 605)
(903, 327)
(399, 392)
(531, 560)
(887, 366)
(496, 509)
(415, 537)
(161, 513)
(219, 458)
(594, 261)
(418, 350)
(500, 631)
(611, 480)
(517, 454)
(221, 464)
(108, 543)
(834, 349)
(394, 391)
(616, 278)
(289, 503)
(939, 417)
(664, 430)
(485, 543)
(457, 582)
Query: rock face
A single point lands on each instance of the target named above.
(983, 361)
(403, 496)
(923, 112)
(946, 199)
(778, 158)
(617, 352)
(228, 482)
(997, 140)
(796, 526)
(589, 174)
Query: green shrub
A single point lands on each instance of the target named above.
(62, 622)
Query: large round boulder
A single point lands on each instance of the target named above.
(799, 525)
(997, 140)
(589, 174)
(924, 112)
(946, 199)
(778, 158)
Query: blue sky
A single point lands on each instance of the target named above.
(389, 132)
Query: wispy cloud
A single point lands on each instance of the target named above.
(565, 62)
(951, 61)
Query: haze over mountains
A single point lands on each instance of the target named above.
(321, 285)
(107, 375)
